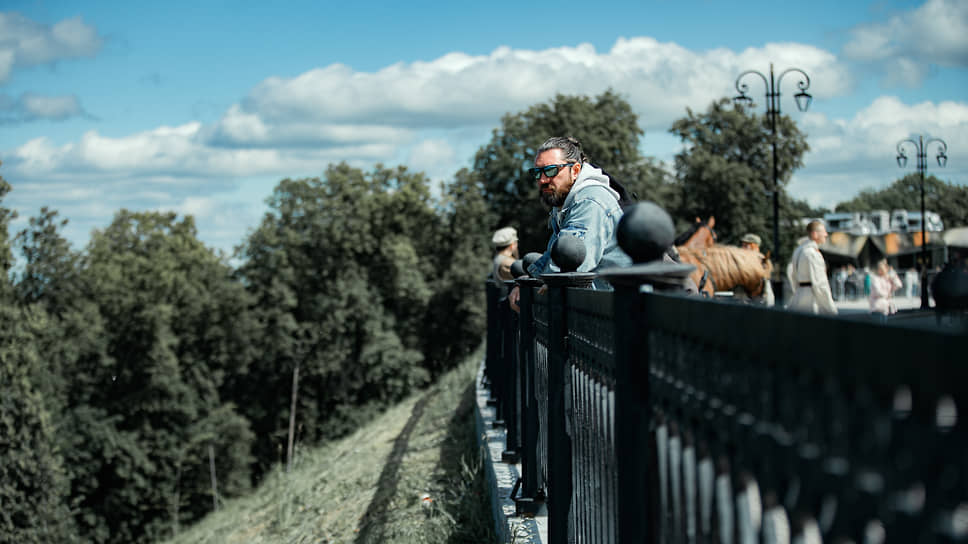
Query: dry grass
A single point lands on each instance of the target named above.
(412, 475)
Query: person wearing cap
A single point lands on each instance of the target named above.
(582, 204)
(807, 274)
(750, 241)
(505, 241)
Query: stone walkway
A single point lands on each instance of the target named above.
(863, 304)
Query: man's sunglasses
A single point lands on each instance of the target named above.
(549, 171)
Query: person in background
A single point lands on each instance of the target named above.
(883, 284)
(854, 285)
(750, 241)
(911, 288)
(505, 241)
(840, 283)
(807, 274)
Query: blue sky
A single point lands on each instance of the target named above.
(202, 107)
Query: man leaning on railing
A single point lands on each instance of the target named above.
(582, 203)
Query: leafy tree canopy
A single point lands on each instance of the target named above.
(948, 200)
(34, 485)
(51, 269)
(726, 169)
(342, 270)
(175, 325)
(6, 256)
(33, 482)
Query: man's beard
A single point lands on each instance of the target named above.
(553, 199)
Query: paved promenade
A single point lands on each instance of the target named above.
(863, 304)
(909, 314)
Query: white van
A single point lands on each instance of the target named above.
(899, 220)
(934, 223)
(910, 221)
(880, 221)
(850, 222)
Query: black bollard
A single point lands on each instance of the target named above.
(645, 232)
(529, 260)
(517, 268)
(568, 252)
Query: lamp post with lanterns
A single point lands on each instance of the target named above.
(802, 99)
(920, 146)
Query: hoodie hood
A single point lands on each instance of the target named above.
(589, 176)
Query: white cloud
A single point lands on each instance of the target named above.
(198, 206)
(6, 63)
(24, 42)
(429, 152)
(51, 107)
(32, 107)
(238, 128)
(435, 157)
(172, 154)
(908, 44)
(886, 121)
(659, 79)
(868, 43)
(848, 155)
(433, 115)
(300, 124)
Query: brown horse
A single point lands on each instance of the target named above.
(723, 268)
(700, 235)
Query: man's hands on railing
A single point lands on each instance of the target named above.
(513, 297)
(521, 265)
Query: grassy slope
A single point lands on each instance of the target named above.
(369, 486)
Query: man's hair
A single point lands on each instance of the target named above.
(814, 226)
(569, 146)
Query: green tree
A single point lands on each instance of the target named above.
(72, 342)
(51, 267)
(948, 200)
(342, 270)
(457, 311)
(609, 132)
(33, 483)
(175, 324)
(6, 256)
(726, 170)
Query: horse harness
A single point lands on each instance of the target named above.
(705, 274)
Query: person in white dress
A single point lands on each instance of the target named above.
(883, 285)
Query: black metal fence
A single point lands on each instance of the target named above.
(647, 417)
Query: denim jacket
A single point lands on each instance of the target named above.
(591, 212)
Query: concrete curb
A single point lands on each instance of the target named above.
(501, 477)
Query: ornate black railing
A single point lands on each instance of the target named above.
(651, 417)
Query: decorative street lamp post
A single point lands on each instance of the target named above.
(920, 146)
(803, 100)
